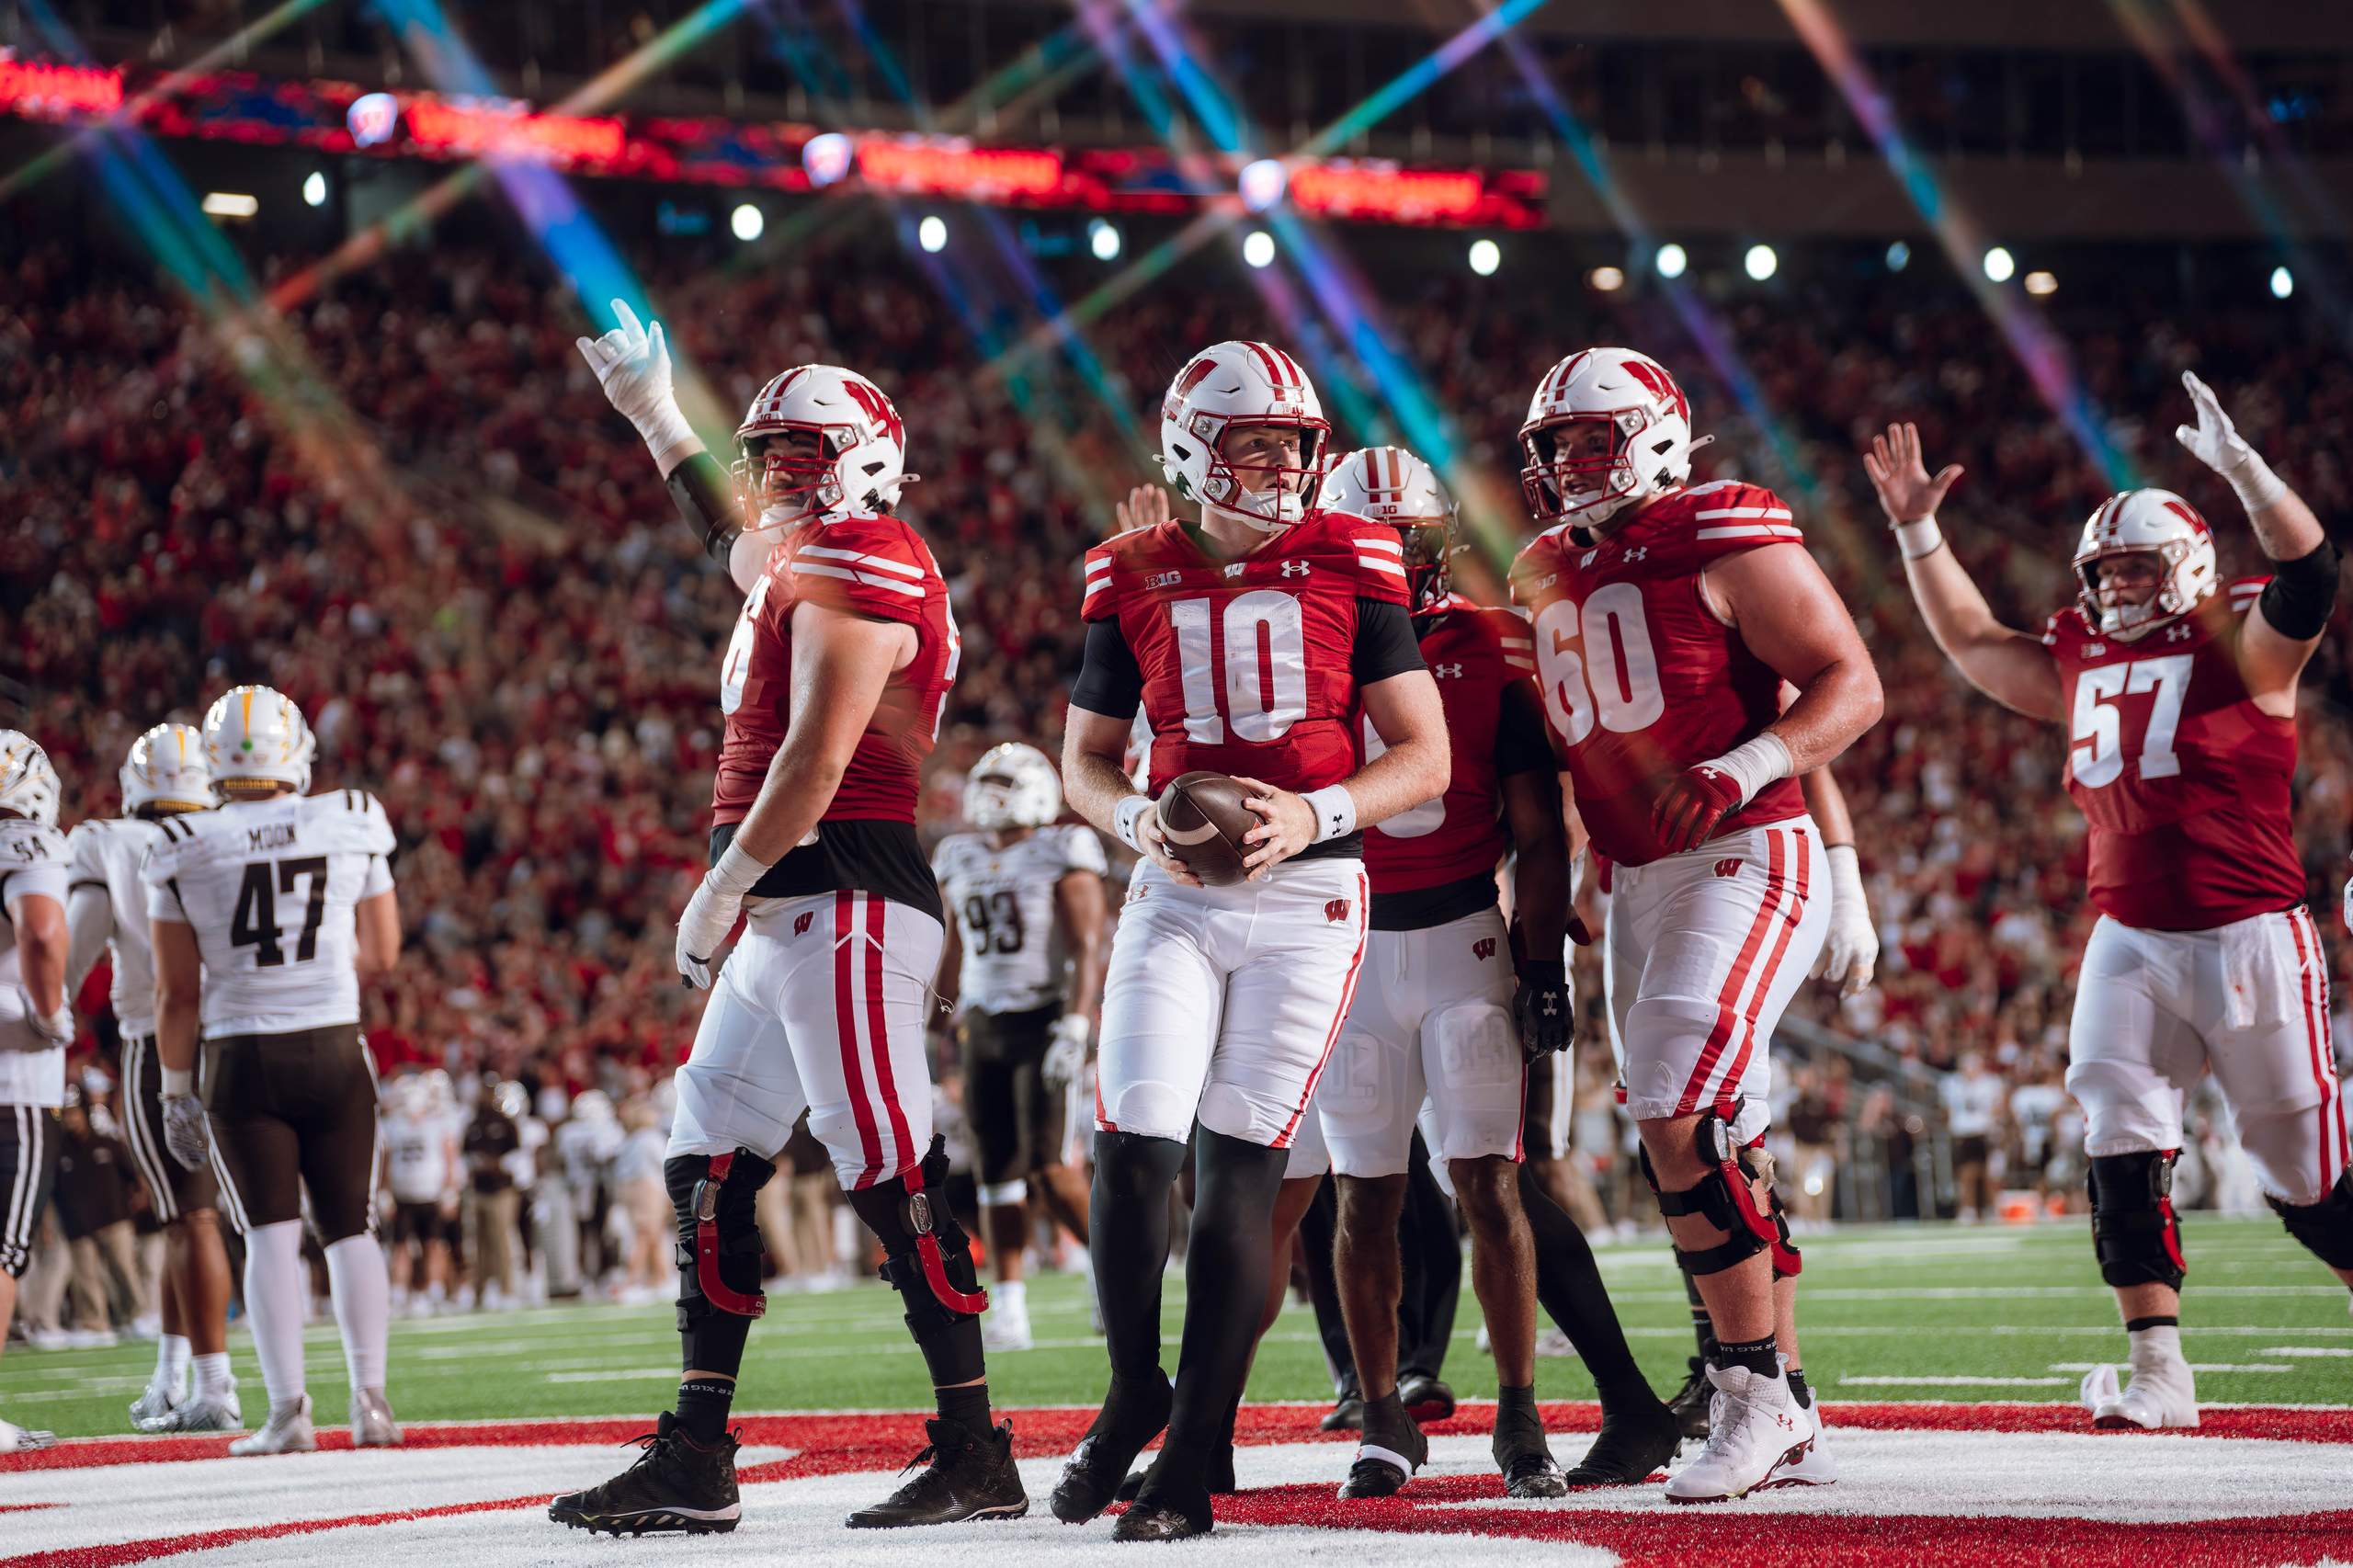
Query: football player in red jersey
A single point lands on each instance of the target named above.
(2179, 700)
(1250, 638)
(1444, 1013)
(832, 687)
(1666, 617)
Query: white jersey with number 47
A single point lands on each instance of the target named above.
(1002, 904)
(269, 887)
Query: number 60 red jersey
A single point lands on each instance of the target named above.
(1250, 667)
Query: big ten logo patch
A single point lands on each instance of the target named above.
(1483, 948)
(801, 922)
(1336, 910)
(1730, 868)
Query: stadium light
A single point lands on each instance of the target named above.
(1999, 264)
(827, 158)
(1103, 239)
(1671, 261)
(1608, 279)
(230, 204)
(1486, 256)
(1258, 247)
(747, 221)
(2039, 283)
(932, 233)
(1761, 262)
(2283, 282)
(1262, 183)
(314, 188)
(1899, 256)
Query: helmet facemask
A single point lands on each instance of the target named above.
(991, 801)
(791, 471)
(1569, 474)
(2127, 621)
(1285, 488)
(1428, 561)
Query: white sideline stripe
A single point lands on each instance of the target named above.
(617, 1372)
(1953, 1382)
(2194, 1366)
(1377, 564)
(2300, 1349)
(1748, 530)
(883, 562)
(1390, 546)
(1702, 516)
(912, 590)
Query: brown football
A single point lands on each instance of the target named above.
(1203, 818)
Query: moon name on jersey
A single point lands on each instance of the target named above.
(270, 888)
(2184, 782)
(1476, 653)
(1641, 681)
(1248, 665)
(1003, 905)
(33, 861)
(108, 853)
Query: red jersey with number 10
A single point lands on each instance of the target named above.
(878, 568)
(2183, 780)
(1640, 680)
(1247, 665)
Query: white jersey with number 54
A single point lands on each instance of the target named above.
(269, 887)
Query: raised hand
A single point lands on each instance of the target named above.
(1905, 491)
(1146, 505)
(632, 364)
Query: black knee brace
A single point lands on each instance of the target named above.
(926, 1256)
(2134, 1231)
(1723, 1199)
(2325, 1228)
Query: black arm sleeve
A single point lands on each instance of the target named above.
(1110, 682)
(1522, 744)
(2301, 594)
(706, 499)
(1385, 642)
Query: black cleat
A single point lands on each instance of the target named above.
(970, 1477)
(1689, 1405)
(1159, 1521)
(1346, 1415)
(1388, 1454)
(1533, 1474)
(1221, 1480)
(1130, 1418)
(675, 1485)
(1629, 1451)
(1425, 1398)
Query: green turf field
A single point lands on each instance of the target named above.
(1892, 1313)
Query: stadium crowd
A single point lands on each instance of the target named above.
(407, 506)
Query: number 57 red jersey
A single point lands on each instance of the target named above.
(1248, 667)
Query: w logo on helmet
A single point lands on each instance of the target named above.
(1660, 385)
(1484, 948)
(879, 411)
(1336, 910)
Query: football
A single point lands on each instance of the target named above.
(1203, 816)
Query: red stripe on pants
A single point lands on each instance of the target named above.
(845, 1026)
(2315, 1016)
(1729, 997)
(1765, 983)
(878, 1038)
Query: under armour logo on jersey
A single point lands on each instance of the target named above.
(1336, 910)
(1447, 672)
(800, 924)
(1294, 568)
(1638, 551)
(1728, 868)
(1483, 948)
(2177, 633)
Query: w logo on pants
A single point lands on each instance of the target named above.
(1336, 910)
(800, 924)
(1484, 948)
(1728, 868)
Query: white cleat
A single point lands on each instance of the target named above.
(2162, 1393)
(372, 1426)
(15, 1439)
(289, 1432)
(202, 1415)
(154, 1405)
(1757, 1427)
(1006, 1324)
(1810, 1463)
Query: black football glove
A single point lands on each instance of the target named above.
(1541, 1008)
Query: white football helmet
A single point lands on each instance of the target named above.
(255, 735)
(2147, 522)
(168, 767)
(1012, 786)
(1650, 442)
(1389, 485)
(860, 459)
(28, 783)
(1242, 384)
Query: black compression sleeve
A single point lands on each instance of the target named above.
(1385, 642)
(2301, 592)
(1109, 682)
(706, 499)
(1521, 743)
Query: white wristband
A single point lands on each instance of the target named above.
(737, 870)
(1335, 812)
(1124, 817)
(1845, 873)
(179, 1081)
(664, 428)
(1756, 763)
(2257, 487)
(1919, 537)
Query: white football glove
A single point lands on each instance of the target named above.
(185, 1132)
(49, 1030)
(2347, 909)
(2216, 442)
(1851, 954)
(711, 915)
(632, 364)
(1067, 1057)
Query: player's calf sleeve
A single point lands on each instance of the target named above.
(2326, 1227)
(1703, 1327)
(929, 1260)
(274, 1291)
(1225, 1282)
(362, 1295)
(1569, 1288)
(719, 1255)
(2134, 1234)
(1127, 1233)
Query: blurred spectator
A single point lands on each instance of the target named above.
(492, 1142)
(95, 1193)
